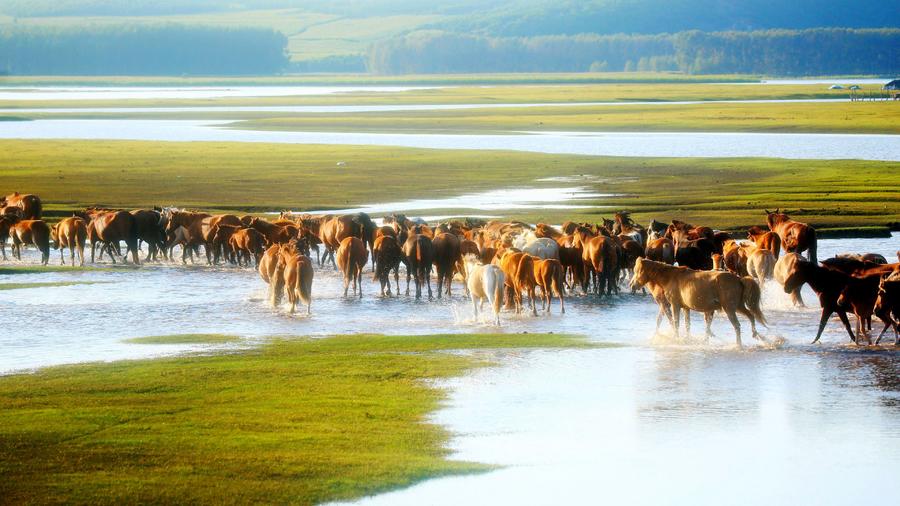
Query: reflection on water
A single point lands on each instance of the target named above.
(642, 423)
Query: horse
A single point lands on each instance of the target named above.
(351, 259)
(387, 253)
(661, 249)
(518, 268)
(887, 307)
(149, 230)
(783, 267)
(550, 277)
(688, 288)
(6, 222)
(795, 237)
(221, 242)
(735, 256)
(693, 253)
(860, 295)
(112, 227)
(761, 265)
(765, 239)
(338, 228)
(296, 277)
(34, 232)
(247, 243)
(446, 257)
(543, 248)
(600, 259)
(70, 233)
(209, 228)
(828, 285)
(268, 271)
(485, 282)
(624, 225)
(419, 255)
(29, 204)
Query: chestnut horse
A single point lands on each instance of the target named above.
(828, 285)
(601, 261)
(351, 259)
(765, 239)
(247, 243)
(70, 233)
(268, 265)
(29, 204)
(34, 232)
(518, 268)
(550, 276)
(112, 227)
(795, 237)
(887, 307)
(296, 272)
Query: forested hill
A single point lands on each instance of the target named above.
(569, 17)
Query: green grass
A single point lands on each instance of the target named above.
(297, 421)
(19, 286)
(846, 117)
(185, 339)
(722, 193)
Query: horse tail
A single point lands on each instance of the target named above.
(751, 296)
(38, 209)
(813, 243)
(305, 281)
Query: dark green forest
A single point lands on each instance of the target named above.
(141, 50)
(770, 52)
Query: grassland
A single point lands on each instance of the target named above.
(845, 117)
(20, 286)
(42, 269)
(297, 421)
(723, 193)
(185, 339)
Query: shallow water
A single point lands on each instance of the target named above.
(56, 325)
(640, 144)
(649, 421)
(32, 93)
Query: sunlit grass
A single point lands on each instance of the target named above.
(20, 286)
(184, 339)
(249, 177)
(297, 421)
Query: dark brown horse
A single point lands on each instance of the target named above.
(109, 228)
(446, 259)
(351, 259)
(887, 307)
(388, 255)
(795, 237)
(149, 231)
(418, 253)
(828, 285)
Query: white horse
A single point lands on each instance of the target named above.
(485, 282)
(543, 248)
(761, 265)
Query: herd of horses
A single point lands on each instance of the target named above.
(684, 267)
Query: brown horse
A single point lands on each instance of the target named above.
(828, 285)
(268, 271)
(518, 269)
(35, 232)
(795, 237)
(221, 242)
(601, 261)
(351, 259)
(6, 222)
(661, 250)
(887, 307)
(247, 243)
(296, 276)
(70, 233)
(446, 259)
(149, 230)
(29, 204)
(109, 228)
(784, 266)
(419, 255)
(687, 288)
(336, 229)
(550, 277)
(765, 239)
(387, 254)
(860, 295)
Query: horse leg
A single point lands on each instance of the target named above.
(396, 279)
(676, 319)
(687, 323)
(440, 287)
(347, 284)
(359, 279)
(427, 277)
(732, 317)
(62, 258)
(744, 311)
(475, 306)
(843, 316)
(708, 318)
(826, 313)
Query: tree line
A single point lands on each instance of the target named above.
(820, 51)
(165, 49)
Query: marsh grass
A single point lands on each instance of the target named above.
(185, 339)
(247, 177)
(296, 421)
(20, 286)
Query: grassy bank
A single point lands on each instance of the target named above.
(723, 193)
(844, 117)
(20, 286)
(298, 421)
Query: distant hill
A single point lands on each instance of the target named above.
(569, 17)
